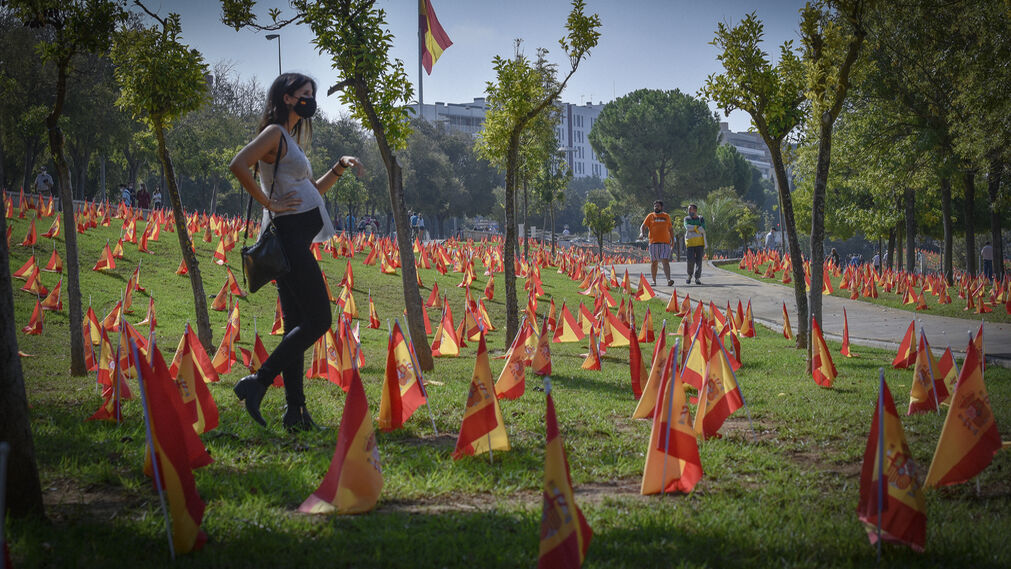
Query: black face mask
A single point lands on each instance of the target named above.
(305, 107)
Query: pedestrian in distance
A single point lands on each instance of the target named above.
(143, 198)
(695, 242)
(661, 238)
(300, 219)
(986, 254)
(156, 198)
(43, 182)
(125, 195)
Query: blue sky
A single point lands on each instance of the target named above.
(658, 44)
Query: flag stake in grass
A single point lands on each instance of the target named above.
(670, 409)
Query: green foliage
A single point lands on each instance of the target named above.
(160, 78)
(772, 94)
(599, 218)
(730, 221)
(650, 138)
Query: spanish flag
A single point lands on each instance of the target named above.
(354, 480)
(167, 435)
(891, 497)
(196, 397)
(969, 438)
(511, 382)
(483, 428)
(672, 458)
(567, 330)
(822, 369)
(720, 395)
(403, 389)
(565, 535)
(928, 389)
(907, 349)
(434, 37)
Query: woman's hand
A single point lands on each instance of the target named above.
(348, 162)
(283, 203)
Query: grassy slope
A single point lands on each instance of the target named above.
(786, 496)
(892, 300)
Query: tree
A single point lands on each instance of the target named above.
(24, 491)
(649, 138)
(832, 39)
(79, 26)
(551, 182)
(598, 218)
(516, 99)
(160, 81)
(774, 97)
(730, 221)
(376, 89)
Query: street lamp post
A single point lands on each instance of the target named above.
(278, 38)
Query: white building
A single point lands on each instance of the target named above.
(573, 131)
(751, 146)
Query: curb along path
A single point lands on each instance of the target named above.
(869, 324)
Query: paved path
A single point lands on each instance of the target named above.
(869, 324)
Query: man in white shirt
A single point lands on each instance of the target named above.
(986, 253)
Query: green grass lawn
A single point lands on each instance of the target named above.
(890, 299)
(784, 494)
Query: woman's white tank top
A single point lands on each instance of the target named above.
(295, 176)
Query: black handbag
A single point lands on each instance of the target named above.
(264, 261)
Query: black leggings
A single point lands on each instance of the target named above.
(305, 304)
(694, 255)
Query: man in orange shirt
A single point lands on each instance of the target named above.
(661, 239)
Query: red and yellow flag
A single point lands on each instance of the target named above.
(720, 395)
(928, 389)
(541, 362)
(637, 365)
(822, 369)
(175, 457)
(888, 483)
(644, 292)
(512, 380)
(651, 390)
(196, 397)
(567, 330)
(354, 480)
(907, 349)
(672, 458)
(565, 535)
(845, 349)
(483, 428)
(403, 388)
(787, 330)
(969, 438)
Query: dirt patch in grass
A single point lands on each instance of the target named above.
(819, 461)
(759, 431)
(590, 493)
(66, 499)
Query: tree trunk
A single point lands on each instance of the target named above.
(408, 273)
(76, 315)
(900, 234)
(993, 188)
(214, 197)
(196, 282)
(796, 257)
(24, 492)
(818, 222)
(909, 206)
(891, 247)
(551, 211)
(969, 180)
(509, 247)
(946, 264)
(526, 223)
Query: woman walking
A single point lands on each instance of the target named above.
(294, 201)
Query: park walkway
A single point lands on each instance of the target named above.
(869, 324)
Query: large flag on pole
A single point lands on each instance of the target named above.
(434, 38)
(565, 535)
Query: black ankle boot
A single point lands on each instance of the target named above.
(250, 390)
(298, 419)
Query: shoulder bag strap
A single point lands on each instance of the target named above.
(249, 204)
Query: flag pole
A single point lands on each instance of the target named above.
(117, 386)
(154, 456)
(881, 454)
(930, 370)
(670, 409)
(421, 48)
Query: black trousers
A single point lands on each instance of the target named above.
(305, 305)
(694, 255)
